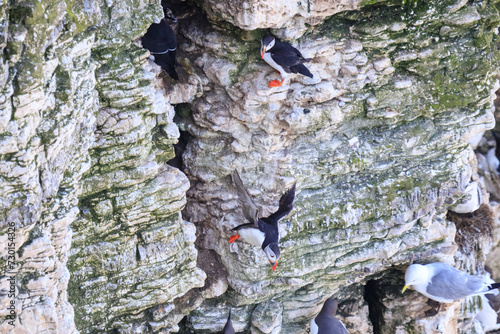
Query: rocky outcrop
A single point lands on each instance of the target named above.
(291, 19)
(378, 144)
(86, 133)
(377, 141)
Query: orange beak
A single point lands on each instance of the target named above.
(274, 265)
(263, 51)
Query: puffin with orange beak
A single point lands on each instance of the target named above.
(261, 231)
(284, 58)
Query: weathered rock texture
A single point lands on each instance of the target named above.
(85, 135)
(377, 141)
(378, 144)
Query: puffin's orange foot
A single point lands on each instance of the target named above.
(233, 238)
(276, 83)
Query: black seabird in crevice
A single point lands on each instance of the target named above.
(161, 42)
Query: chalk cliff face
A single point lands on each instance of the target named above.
(111, 238)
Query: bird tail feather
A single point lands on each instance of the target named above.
(302, 70)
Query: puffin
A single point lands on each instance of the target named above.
(325, 322)
(228, 328)
(284, 58)
(261, 231)
(161, 42)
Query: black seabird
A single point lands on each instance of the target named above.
(160, 41)
(283, 57)
(325, 322)
(261, 231)
(228, 328)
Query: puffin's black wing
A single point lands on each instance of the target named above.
(250, 210)
(160, 37)
(287, 48)
(285, 59)
(285, 205)
(290, 59)
(167, 63)
(302, 69)
(228, 328)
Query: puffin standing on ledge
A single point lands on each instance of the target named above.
(284, 58)
(261, 232)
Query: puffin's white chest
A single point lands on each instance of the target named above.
(314, 327)
(253, 236)
(270, 61)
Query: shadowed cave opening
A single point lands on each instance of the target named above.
(373, 295)
(179, 148)
(182, 113)
(384, 289)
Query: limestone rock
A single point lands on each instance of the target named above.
(377, 141)
(355, 138)
(289, 16)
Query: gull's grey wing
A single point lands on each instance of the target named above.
(450, 283)
(250, 210)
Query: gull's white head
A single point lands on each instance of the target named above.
(415, 274)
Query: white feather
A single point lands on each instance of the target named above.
(270, 61)
(253, 236)
(314, 327)
(488, 316)
(473, 200)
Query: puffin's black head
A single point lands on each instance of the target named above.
(273, 254)
(266, 44)
(329, 307)
(169, 16)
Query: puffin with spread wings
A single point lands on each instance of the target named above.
(261, 231)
